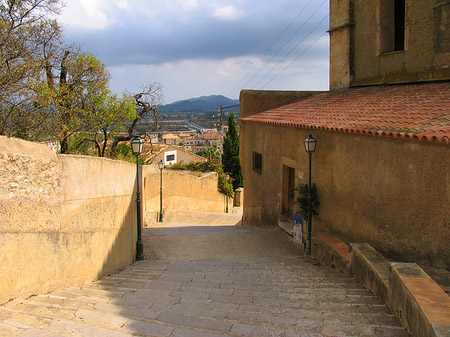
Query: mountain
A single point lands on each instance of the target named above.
(200, 104)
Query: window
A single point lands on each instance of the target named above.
(257, 162)
(170, 157)
(392, 25)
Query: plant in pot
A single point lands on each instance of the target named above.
(300, 196)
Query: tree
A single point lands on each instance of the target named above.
(146, 101)
(74, 82)
(230, 157)
(26, 27)
(108, 115)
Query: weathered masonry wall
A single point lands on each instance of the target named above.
(356, 56)
(391, 193)
(64, 220)
(182, 191)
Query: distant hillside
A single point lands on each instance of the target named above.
(199, 104)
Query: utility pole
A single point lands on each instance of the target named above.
(221, 117)
(221, 113)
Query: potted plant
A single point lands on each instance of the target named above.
(300, 196)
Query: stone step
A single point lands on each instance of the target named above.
(247, 292)
(118, 318)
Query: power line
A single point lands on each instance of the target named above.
(304, 51)
(290, 52)
(292, 36)
(273, 44)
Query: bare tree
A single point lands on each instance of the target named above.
(147, 101)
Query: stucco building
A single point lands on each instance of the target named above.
(382, 164)
(169, 154)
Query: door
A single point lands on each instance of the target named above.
(288, 184)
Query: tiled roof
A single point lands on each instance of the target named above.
(417, 111)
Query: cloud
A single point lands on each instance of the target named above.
(193, 78)
(85, 15)
(208, 45)
(189, 5)
(228, 13)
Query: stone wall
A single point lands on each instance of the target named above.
(391, 193)
(64, 219)
(182, 191)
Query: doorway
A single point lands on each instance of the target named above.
(288, 184)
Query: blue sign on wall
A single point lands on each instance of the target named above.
(298, 226)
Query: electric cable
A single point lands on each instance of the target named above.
(272, 45)
(304, 51)
(278, 51)
(290, 52)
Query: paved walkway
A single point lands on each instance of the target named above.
(220, 280)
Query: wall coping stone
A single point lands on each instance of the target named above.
(418, 302)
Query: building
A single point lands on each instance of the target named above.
(170, 139)
(382, 163)
(170, 154)
(213, 139)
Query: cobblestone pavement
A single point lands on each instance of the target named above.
(273, 291)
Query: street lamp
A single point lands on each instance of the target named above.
(160, 166)
(137, 144)
(310, 147)
(228, 179)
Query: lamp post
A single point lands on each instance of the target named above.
(310, 147)
(160, 166)
(137, 144)
(228, 179)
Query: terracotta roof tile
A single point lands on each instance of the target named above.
(417, 111)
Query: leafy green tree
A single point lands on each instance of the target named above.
(230, 157)
(27, 28)
(56, 92)
(108, 116)
(72, 89)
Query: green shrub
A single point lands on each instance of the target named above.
(301, 200)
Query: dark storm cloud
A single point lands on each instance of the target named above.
(171, 39)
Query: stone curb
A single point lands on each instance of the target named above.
(370, 268)
(330, 250)
(418, 302)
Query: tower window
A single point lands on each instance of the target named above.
(392, 25)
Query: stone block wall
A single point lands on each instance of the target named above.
(64, 220)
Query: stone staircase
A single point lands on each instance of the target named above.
(254, 297)
(270, 291)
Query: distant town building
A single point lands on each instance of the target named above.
(170, 139)
(170, 154)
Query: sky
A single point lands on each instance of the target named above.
(204, 47)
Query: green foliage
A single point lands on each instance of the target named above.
(301, 201)
(28, 33)
(224, 184)
(230, 158)
(125, 153)
(52, 92)
(210, 153)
